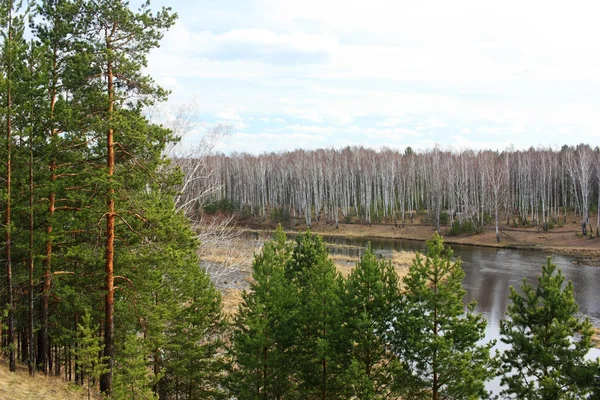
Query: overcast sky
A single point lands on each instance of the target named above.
(329, 73)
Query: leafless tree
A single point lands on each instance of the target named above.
(497, 175)
(533, 186)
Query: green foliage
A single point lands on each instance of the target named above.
(281, 215)
(89, 363)
(287, 340)
(192, 352)
(262, 339)
(222, 206)
(318, 286)
(547, 342)
(371, 295)
(176, 308)
(135, 378)
(467, 227)
(444, 218)
(437, 342)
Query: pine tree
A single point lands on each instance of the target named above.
(371, 294)
(134, 379)
(91, 365)
(548, 343)
(30, 121)
(114, 43)
(434, 337)
(12, 69)
(262, 363)
(168, 300)
(61, 147)
(192, 359)
(317, 321)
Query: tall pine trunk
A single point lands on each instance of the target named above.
(109, 306)
(9, 285)
(42, 358)
(31, 350)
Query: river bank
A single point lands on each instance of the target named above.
(565, 239)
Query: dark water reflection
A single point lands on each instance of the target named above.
(490, 272)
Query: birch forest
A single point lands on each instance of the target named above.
(538, 187)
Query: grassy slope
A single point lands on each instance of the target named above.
(19, 386)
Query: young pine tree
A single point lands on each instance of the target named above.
(90, 364)
(434, 336)
(262, 364)
(134, 379)
(371, 294)
(547, 342)
(317, 320)
(192, 361)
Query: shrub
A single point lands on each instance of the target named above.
(444, 218)
(222, 206)
(281, 215)
(466, 227)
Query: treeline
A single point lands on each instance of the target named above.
(101, 281)
(305, 332)
(533, 187)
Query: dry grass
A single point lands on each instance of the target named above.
(596, 338)
(237, 252)
(228, 259)
(400, 261)
(20, 386)
(231, 298)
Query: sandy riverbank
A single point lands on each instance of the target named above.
(565, 239)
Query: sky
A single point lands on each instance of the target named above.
(384, 73)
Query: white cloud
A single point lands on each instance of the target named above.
(308, 129)
(393, 121)
(229, 114)
(476, 73)
(261, 142)
(303, 113)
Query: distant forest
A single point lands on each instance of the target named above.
(472, 188)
